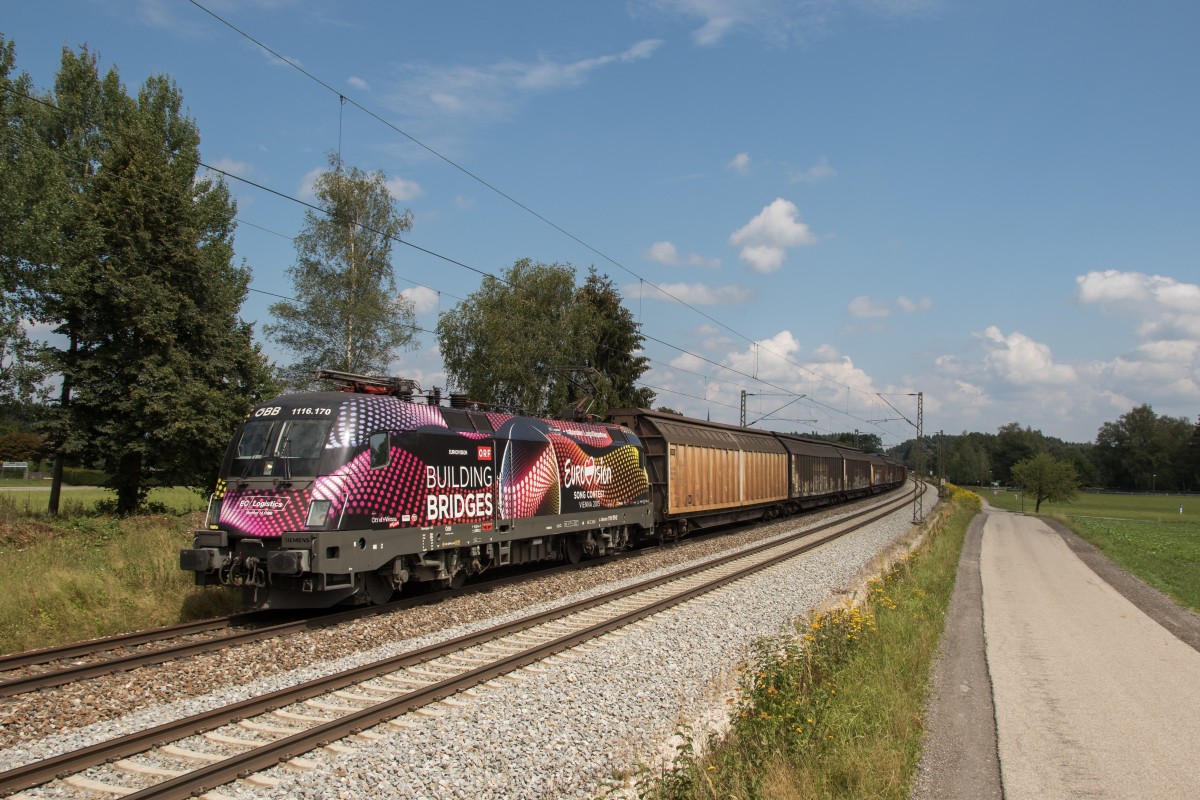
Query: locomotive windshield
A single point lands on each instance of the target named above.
(280, 448)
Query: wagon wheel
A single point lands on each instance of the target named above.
(672, 531)
(375, 587)
(574, 549)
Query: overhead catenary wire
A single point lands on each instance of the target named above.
(493, 188)
(753, 378)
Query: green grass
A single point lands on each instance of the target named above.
(84, 575)
(1155, 508)
(1145, 534)
(836, 710)
(32, 497)
(14, 481)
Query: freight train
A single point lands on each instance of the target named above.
(343, 497)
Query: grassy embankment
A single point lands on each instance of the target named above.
(1145, 534)
(86, 574)
(836, 709)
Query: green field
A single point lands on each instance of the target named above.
(1145, 534)
(31, 497)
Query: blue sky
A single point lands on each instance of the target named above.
(993, 203)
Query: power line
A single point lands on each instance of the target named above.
(343, 99)
(315, 208)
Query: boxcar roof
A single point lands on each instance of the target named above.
(678, 429)
(809, 447)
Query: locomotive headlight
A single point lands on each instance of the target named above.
(318, 514)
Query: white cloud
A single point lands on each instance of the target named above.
(462, 202)
(358, 83)
(817, 172)
(1022, 361)
(774, 20)
(1019, 378)
(778, 22)
(1164, 370)
(823, 377)
(663, 253)
(242, 169)
(424, 299)
(740, 163)
(400, 189)
(864, 307)
(305, 191)
(403, 190)
(666, 253)
(770, 359)
(764, 240)
(712, 338)
(476, 93)
(688, 361)
(694, 294)
(1165, 307)
(912, 306)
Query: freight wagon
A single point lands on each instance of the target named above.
(703, 474)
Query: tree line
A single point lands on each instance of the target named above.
(1140, 451)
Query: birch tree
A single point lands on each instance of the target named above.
(345, 313)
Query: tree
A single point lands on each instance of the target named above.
(19, 446)
(1191, 458)
(75, 125)
(517, 341)
(859, 440)
(612, 345)
(346, 314)
(25, 205)
(1011, 445)
(1142, 450)
(965, 459)
(159, 367)
(1046, 478)
(508, 341)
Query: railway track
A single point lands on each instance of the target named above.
(194, 755)
(46, 668)
(56, 666)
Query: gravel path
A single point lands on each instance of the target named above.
(569, 729)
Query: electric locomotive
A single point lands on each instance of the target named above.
(345, 496)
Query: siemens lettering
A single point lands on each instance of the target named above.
(473, 503)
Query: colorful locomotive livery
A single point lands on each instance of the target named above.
(343, 497)
(330, 496)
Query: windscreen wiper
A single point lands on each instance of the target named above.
(284, 449)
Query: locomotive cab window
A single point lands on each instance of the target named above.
(253, 442)
(301, 438)
(280, 447)
(381, 449)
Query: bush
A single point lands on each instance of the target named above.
(77, 476)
